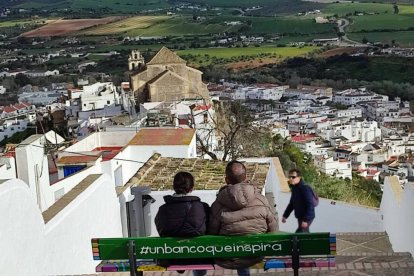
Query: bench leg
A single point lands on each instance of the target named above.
(133, 259)
(295, 256)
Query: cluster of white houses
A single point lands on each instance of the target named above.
(55, 195)
(324, 123)
(317, 119)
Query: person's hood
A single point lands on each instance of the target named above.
(187, 198)
(236, 197)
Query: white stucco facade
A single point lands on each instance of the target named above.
(22, 231)
(62, 245)
(33, 169)
(397, 207)
(7, 168)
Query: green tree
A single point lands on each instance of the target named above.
(396, 9)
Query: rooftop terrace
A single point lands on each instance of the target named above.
(158, 173)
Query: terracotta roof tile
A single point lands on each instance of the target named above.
(158, 173)
(9, 109)
(163, 136)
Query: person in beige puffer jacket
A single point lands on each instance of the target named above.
(240, 210)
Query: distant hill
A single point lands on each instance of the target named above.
(33, 3)
(252, 6)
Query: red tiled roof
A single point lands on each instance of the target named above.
(202, 107)
(303, 137)
(9, 109)
(344, 147)
(372, 171)
(10, 151)
(19, 106)
(163, 136)
(108, 153)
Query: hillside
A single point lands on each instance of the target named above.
(252, 7)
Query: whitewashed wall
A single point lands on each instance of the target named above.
(69, 182)
(398, 214)
(7, 168)
(22, 239)
(92, 214)
(62, 246)
(33, 168)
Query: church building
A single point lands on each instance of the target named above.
(165, 78)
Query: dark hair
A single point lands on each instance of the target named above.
(183, 182)
(297, 171)
(235, 172)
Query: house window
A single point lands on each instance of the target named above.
(108, 102)
(68, 170)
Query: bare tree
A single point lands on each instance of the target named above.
(231, 124)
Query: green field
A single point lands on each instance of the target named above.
(405, 9)
(45, 4)
(120, 5)
(342, 9)
(288, 25)
(16, 23)
(381, 22)
(388, 1)
(232, 52)
(243, 57)
(405, 38)
(238, 3)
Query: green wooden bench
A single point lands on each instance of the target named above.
(281, 250)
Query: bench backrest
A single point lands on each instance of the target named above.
(312, 244)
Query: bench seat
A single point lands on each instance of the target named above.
(268, 263)
(138, 254)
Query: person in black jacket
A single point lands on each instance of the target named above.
(183, 215)
(301, 201)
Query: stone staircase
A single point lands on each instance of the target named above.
(359, 254)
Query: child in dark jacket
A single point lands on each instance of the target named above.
(183, 215)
